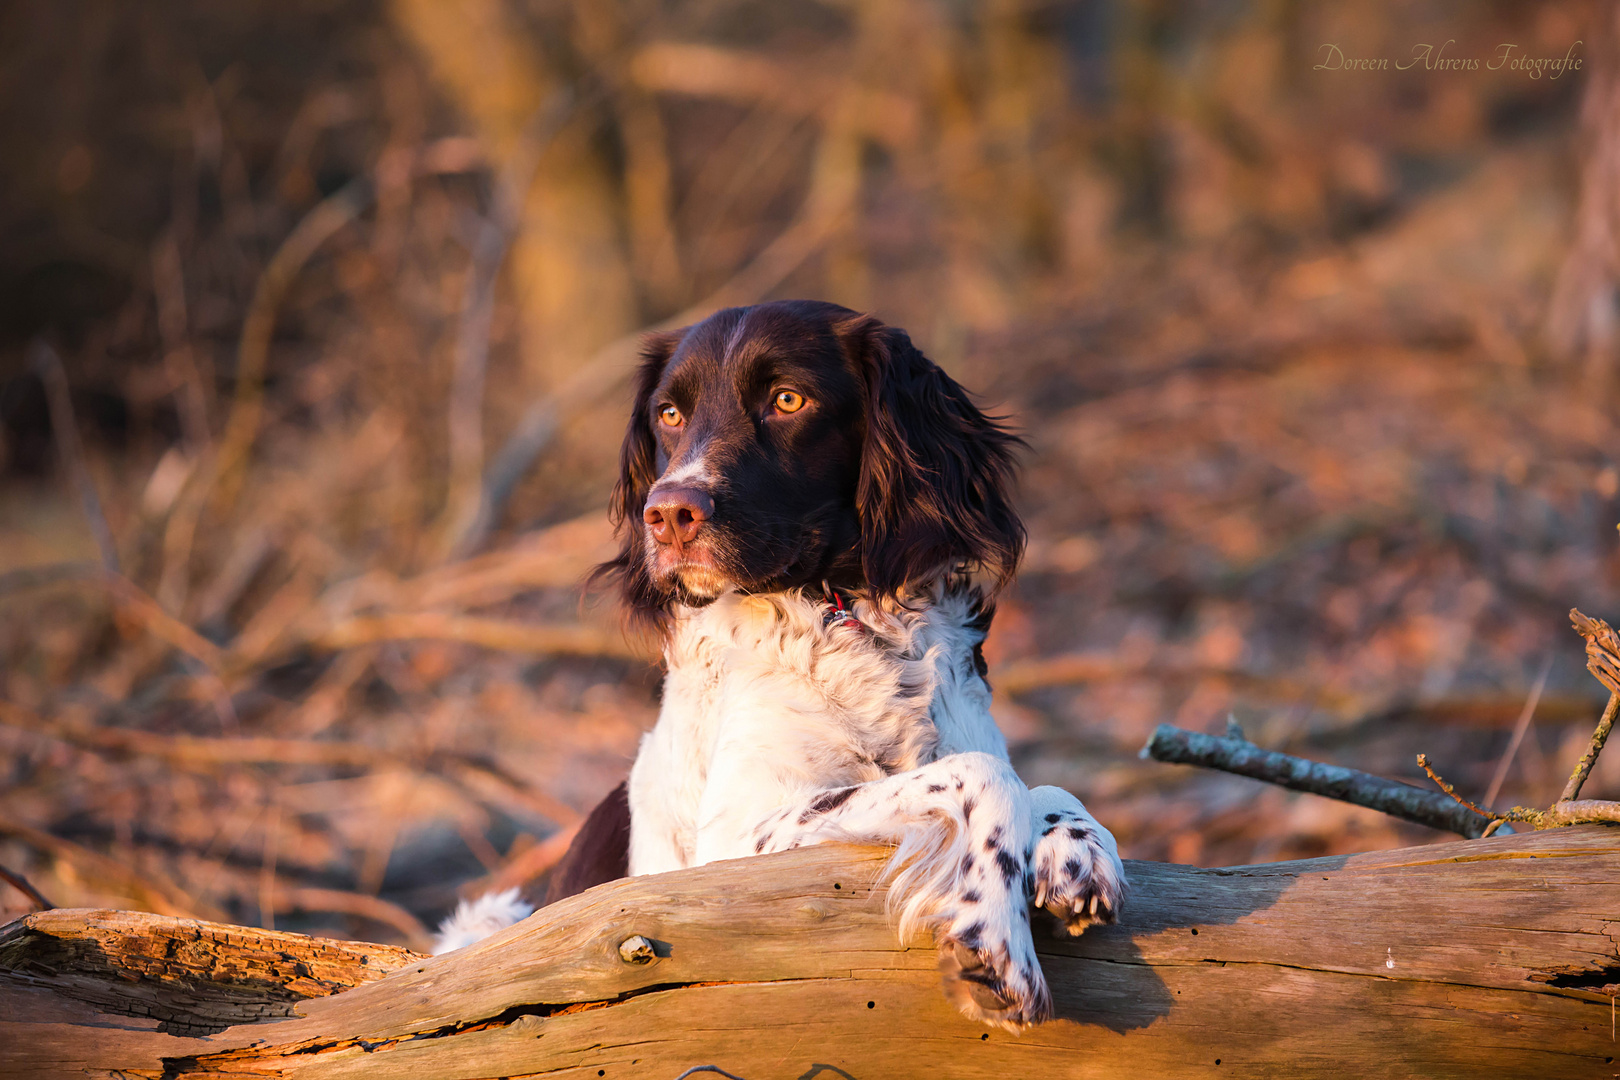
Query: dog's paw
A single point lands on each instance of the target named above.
(995, 981)
(1078, 875)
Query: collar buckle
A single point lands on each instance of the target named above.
(837, 616)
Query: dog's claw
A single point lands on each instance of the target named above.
(993, 988)
(1078, 875)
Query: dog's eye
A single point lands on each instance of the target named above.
(670, 416)
(789, 401)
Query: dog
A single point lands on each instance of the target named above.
(815, 520)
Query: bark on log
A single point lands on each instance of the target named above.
(1478, 958)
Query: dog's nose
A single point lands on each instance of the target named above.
(676, 514)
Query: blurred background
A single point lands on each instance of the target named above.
(314, 324)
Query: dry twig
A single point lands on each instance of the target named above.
(1423, 763)
(48, 366)
(484, 779)
(1235, 754)
(196, 750)
(1519, 729)
(1603, 661)
(133, 602)
(489, 247)
(164, 898)
(499, 634)
(530, 864)
(296, 898)
(490, 782)
(322, 222)
(25, 578)
(22, 885)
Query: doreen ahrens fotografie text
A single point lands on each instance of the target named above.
(1330, 57)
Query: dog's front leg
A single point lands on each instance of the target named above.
(1078, 875)
(963, 826)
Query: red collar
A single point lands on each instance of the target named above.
(837, 616)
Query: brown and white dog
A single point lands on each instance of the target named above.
(804, 501)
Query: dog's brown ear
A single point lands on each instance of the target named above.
(935, 488)
(638, 470)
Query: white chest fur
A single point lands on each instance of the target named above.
(763, 703)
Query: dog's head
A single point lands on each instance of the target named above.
(791, 443)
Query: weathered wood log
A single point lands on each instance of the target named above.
(1484, 958)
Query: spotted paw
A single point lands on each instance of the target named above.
(1078, 875)
(998, 983)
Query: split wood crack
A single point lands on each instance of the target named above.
(517, 1017)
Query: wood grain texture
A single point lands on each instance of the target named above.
(1480, 958)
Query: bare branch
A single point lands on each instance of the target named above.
(1582, 812)
(162, 897)
(1583, 768)
(502, 634)
(48, 366)
(222, 472)
(530, 864)
(253, 348)
(22, 885)
(1519, 729)
(490, 244)
(39, 577)
(295, 898)
(485, 779)
(195, 750)
(1236, 755)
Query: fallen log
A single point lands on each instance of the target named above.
(1483, 958)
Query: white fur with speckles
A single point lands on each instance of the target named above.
(766, 711)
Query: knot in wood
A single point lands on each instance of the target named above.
(636, 950)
